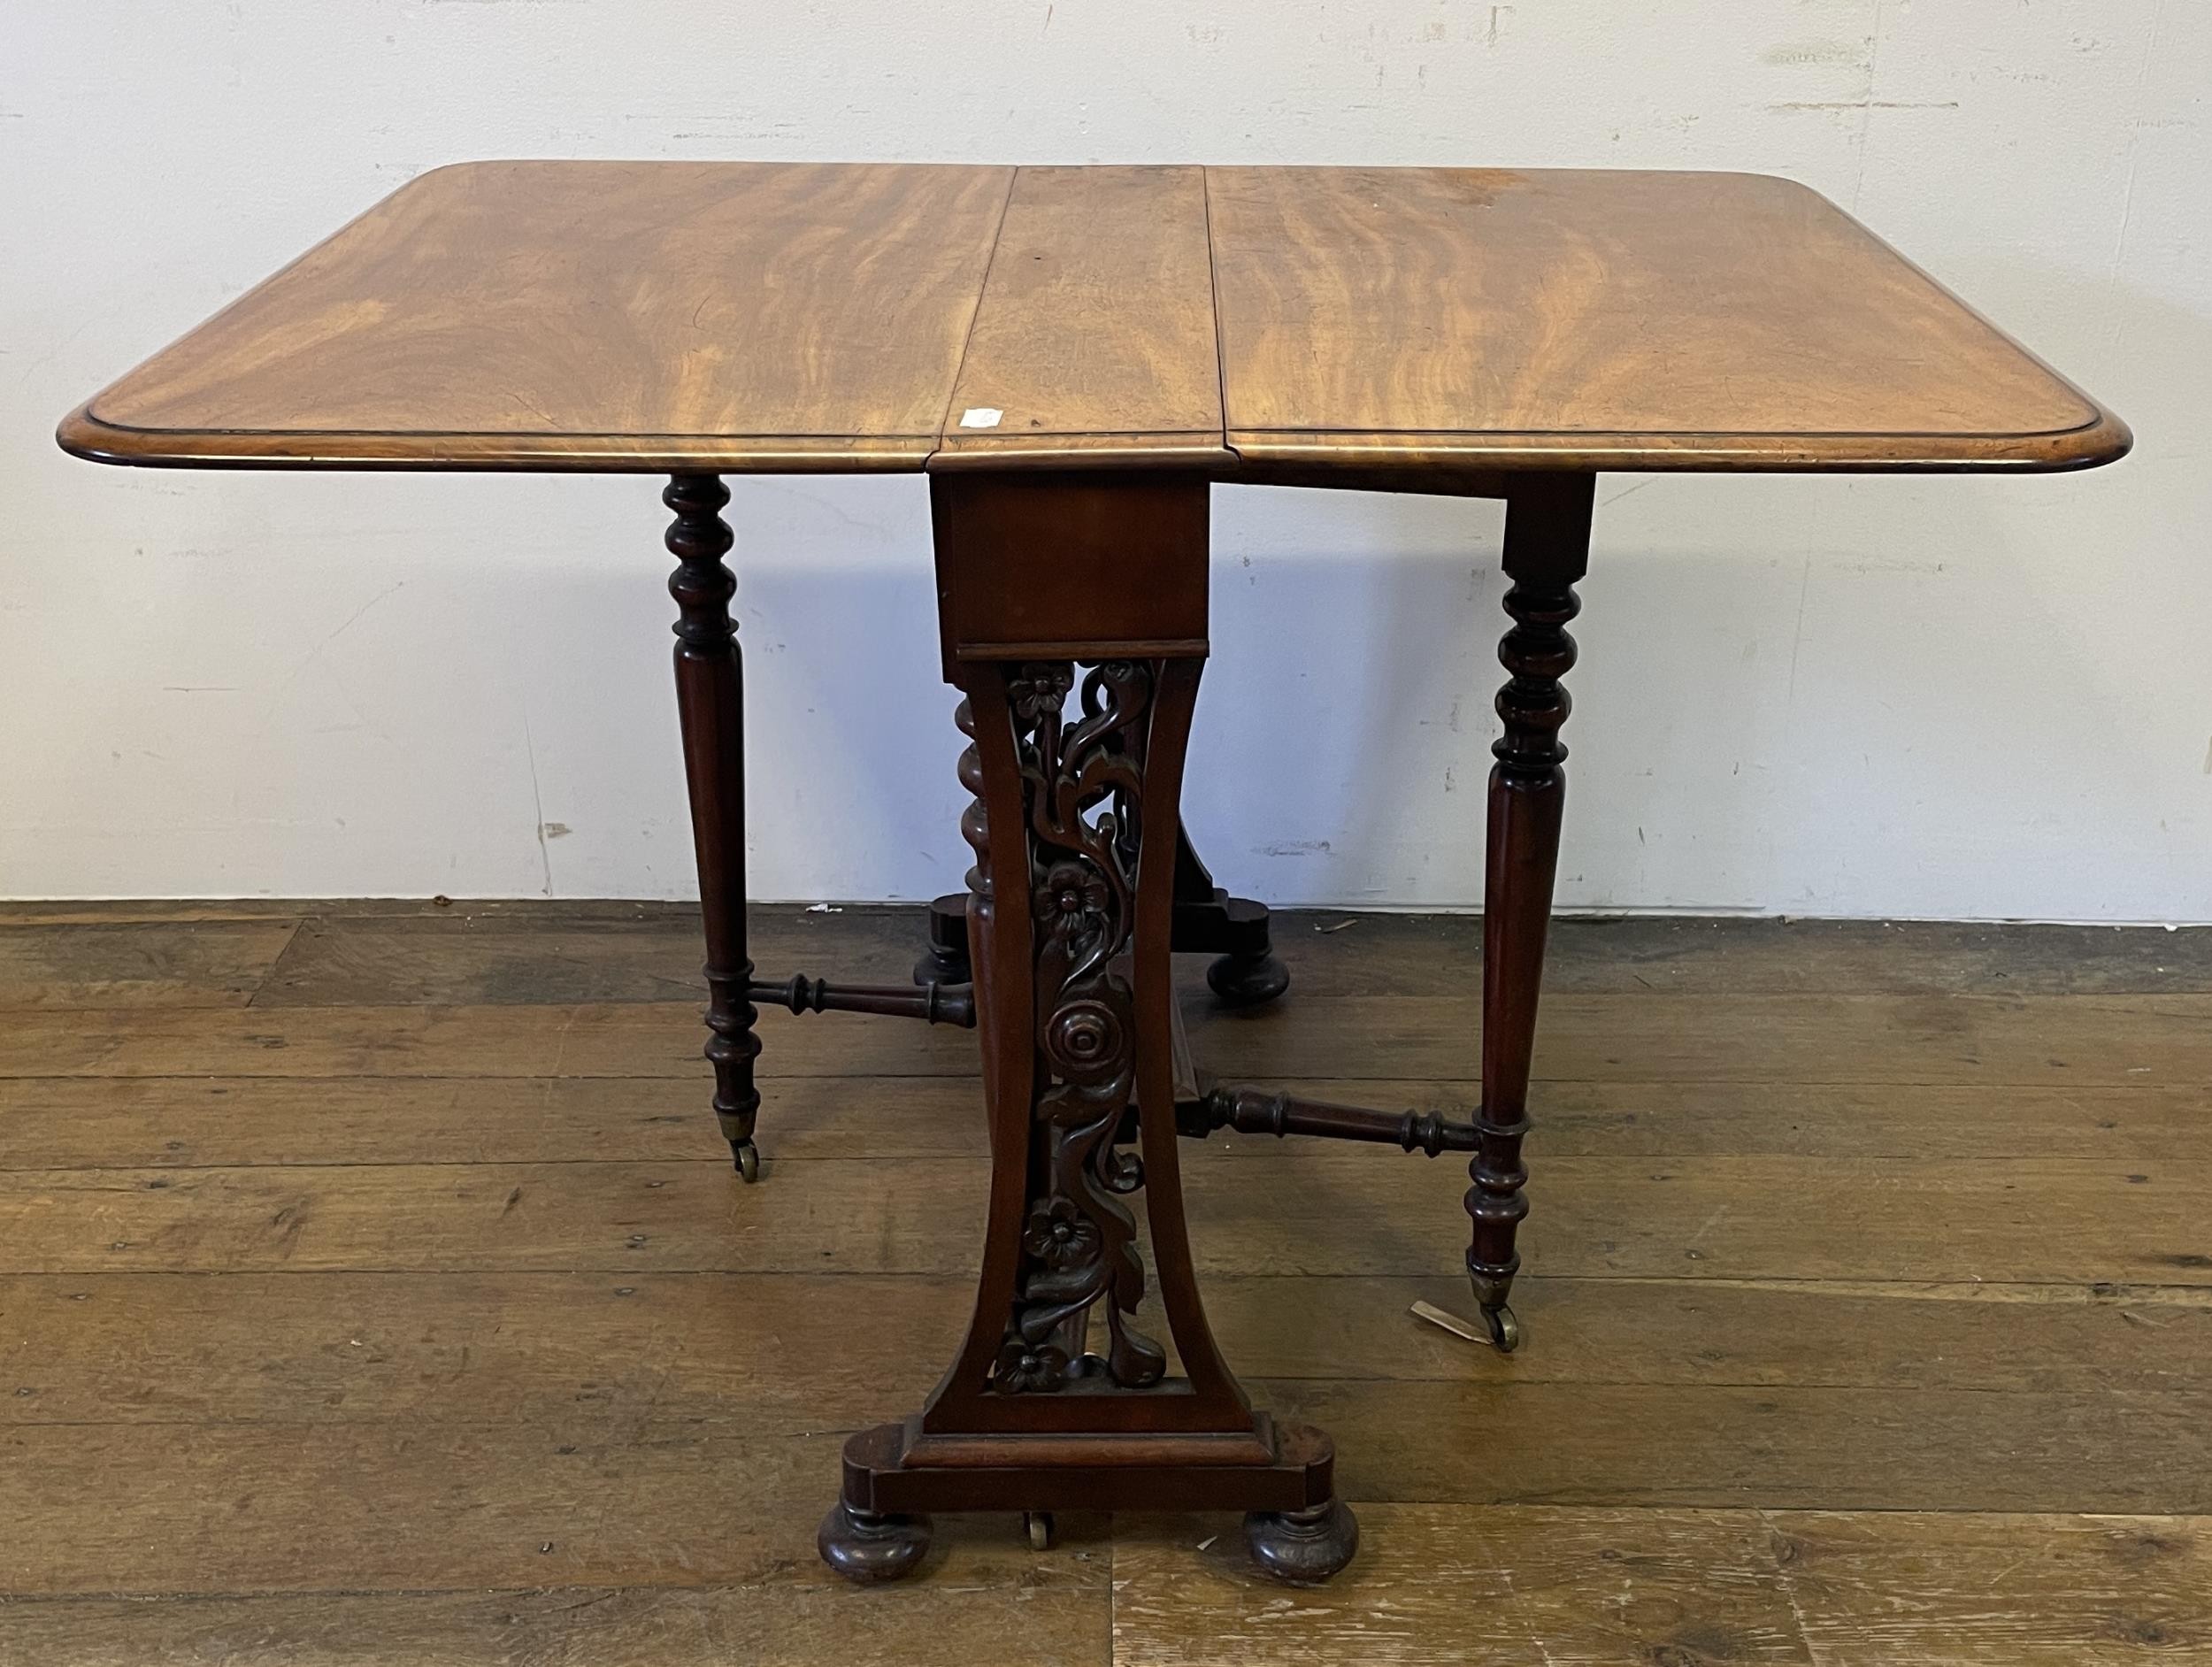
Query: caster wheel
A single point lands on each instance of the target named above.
(1248, 980)
(747, 1157)
(1042, 1532)
(1505, 1331)
(862, 1546)
(1302, 1547)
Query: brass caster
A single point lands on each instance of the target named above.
(865, 1546)
(1302, 1547)
(1505, 1331)
(747, 1157)
(1043, 1533)
(1242, 981)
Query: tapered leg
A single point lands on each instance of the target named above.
(1547, 550)
(711, 700)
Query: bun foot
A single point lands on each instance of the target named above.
(1302, 1547)
(943, 966)
(946, 959)
(863, 1545)
(1248, 980)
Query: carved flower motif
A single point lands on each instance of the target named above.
(1022, 1367)
(1073, 898)
(1059, 1236)
(1039, 688)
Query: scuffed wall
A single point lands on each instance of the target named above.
(1950, 698)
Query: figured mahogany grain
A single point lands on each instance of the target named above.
(602, 315)
(1095, 333)
(1402, 329)
(1435, 317)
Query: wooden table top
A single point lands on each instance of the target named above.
(1348, 324)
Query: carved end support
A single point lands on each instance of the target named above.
(1079, 779)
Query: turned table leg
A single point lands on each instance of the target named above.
(711, 700)
(1547, 550)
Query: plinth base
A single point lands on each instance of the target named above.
(1282, 1478)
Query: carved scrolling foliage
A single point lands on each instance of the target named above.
(1082, 785)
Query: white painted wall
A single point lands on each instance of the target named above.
(1950, 698)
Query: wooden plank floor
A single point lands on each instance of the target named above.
(373, 1289)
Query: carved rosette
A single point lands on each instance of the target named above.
(1081, 784)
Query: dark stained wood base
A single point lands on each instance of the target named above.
(1283, 1477)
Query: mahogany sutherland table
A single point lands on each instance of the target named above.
(1074, 356)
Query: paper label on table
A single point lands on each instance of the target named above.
(981, 416)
